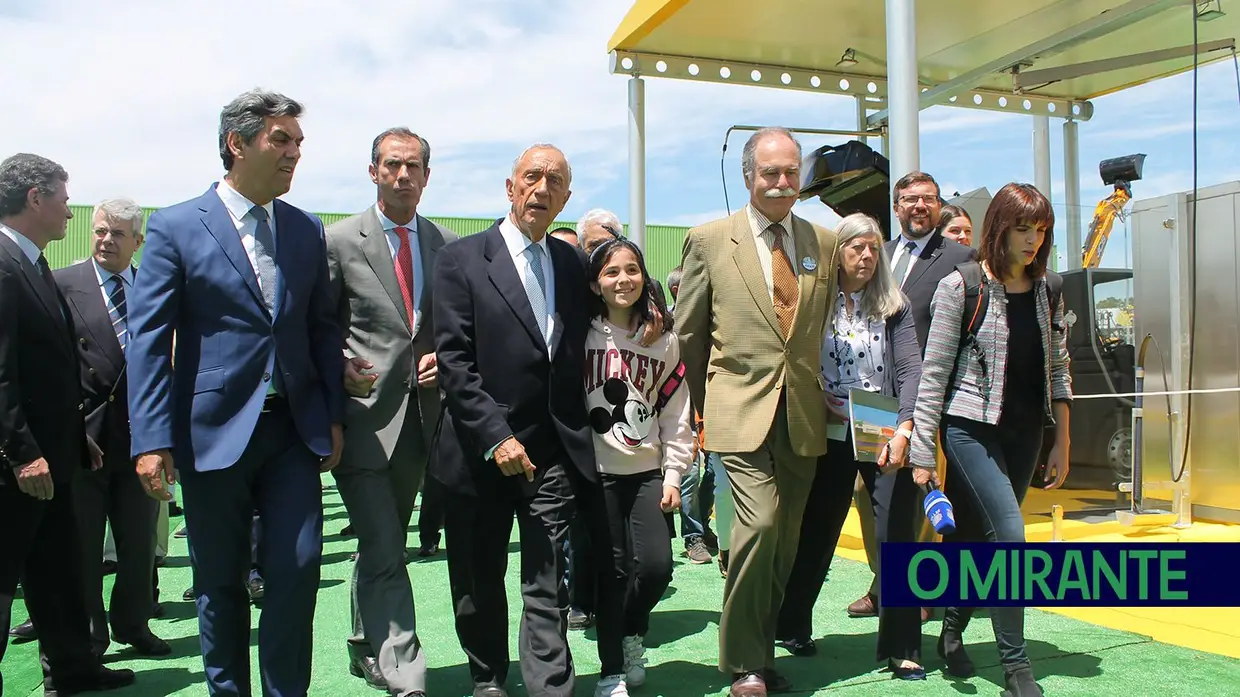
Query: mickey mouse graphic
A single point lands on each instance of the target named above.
(629, 419)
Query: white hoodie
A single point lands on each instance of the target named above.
(625, 382)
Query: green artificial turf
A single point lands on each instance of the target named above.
(1069, 657)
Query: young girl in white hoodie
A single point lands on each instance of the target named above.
(639, 411)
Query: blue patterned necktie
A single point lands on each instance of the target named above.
(118, 312)
(265, 258)
(536, 289)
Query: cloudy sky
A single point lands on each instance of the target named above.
(126, 94)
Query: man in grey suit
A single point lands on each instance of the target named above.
(380, 262)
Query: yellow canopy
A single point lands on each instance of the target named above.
(1026, 55)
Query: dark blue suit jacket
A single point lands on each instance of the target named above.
(495, 371)
(198, 284)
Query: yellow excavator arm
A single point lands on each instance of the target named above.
(1108, 210)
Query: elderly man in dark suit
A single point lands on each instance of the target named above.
(43, 441)
(380, 262)
(515, 440)
(96, 292)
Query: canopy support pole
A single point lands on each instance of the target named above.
(903, 92)
(637, 162)
(1072, 194)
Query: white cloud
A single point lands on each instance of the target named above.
(126, 94)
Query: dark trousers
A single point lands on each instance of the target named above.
(278, 476)
(478, 532)
(893, 495)
(114, 494)
(430, 512)
(989, 469)
(641, 553)
(582, 584)
(33, 543)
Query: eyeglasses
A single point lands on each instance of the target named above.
(912, 199)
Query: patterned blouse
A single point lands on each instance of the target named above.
(854, 351)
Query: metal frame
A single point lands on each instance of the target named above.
(872, 88)
(1125, 15)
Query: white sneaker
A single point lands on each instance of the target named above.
(611, 686)
(634, 660)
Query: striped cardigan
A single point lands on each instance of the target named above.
(971, 396)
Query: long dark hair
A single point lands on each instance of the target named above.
(646, 301)
(1016, 203)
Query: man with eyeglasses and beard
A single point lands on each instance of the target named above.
(920, 258)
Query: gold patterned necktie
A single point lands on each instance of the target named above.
(784, 281)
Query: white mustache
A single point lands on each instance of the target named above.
(781, 193)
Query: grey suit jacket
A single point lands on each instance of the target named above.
(376, 327)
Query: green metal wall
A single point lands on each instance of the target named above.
(663, 242)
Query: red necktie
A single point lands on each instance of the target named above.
(404, 270)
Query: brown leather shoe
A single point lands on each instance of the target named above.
(865, 606)
(927, 614)
(748, 685)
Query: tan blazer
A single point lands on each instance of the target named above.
(737, 362)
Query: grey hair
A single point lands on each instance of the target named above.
(602, 216)
(751, 146)
(674, 276)
(124, 210)
(542, 146)
(245, 116)
(402, 132)
(23, 172)
(881, 297)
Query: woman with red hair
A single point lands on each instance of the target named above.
(987, 398)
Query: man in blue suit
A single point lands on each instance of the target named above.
(234, 292)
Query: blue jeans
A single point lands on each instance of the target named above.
(989, 469)
(692, 522)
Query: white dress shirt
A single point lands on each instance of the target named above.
(30, 249)
(764, 240)
(516, 241)
(415, 251)
(239, 208)
(919, 246)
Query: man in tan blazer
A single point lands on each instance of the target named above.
(750, 316)
(380, 263)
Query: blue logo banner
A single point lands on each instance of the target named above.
(1061, 574)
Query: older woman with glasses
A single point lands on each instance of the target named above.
(870, 344)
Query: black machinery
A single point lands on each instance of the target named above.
(849, 178)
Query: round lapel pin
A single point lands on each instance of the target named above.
(809, 264)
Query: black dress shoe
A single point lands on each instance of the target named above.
(189, 595)
(145, 643)
(489, 690)
(363, 665)
(24, 632)
(799, 647)
(98, 680)
(257, 588)
(157, 610)
(776, 682)
(428, 550)
(579, 620)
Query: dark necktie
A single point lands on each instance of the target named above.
(118, 312)
(46, 272)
